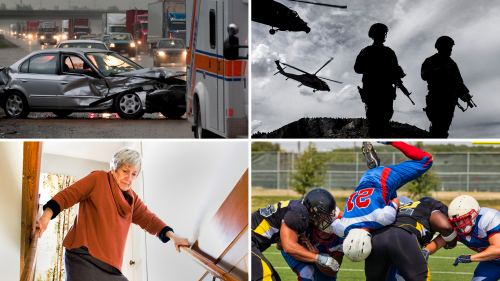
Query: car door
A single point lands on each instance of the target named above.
(37, 78)
(79, 85)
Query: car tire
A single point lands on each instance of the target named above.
(156, 63)
(173, 112)
(199, 132)
(16, 106)
(129, 106)
(62, 113)
(132, 54)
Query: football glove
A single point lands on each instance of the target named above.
(327, 261)
(426, 253)
(462, 259)
(339, 248)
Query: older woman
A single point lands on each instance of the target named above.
(96, 242)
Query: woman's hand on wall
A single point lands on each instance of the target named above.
(44, 220)
(178, 241)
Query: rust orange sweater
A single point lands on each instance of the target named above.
(104, 216)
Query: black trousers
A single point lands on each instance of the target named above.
(394, 245)
(379, 113)
(262, 270)
(440, 111)
(81, 266)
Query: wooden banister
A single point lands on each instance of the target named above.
(29, 265)
(209, 265)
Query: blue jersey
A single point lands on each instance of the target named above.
(487, 224)
(309, 271)
(370, 204)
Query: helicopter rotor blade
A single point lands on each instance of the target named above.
(295, 68)
(330, 80)
(321, 4)
(323, 66)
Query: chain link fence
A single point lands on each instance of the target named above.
(457, 171)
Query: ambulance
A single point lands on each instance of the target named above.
(217, 67)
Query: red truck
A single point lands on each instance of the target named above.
(137, 25)
(32, 31)
(78, 27)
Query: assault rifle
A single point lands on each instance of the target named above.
(465, 96)
(403, 89)
(462, 92)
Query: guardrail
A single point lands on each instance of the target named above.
(208, 265)
(29, 265)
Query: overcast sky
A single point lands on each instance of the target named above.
(414, 26)
(63, 4)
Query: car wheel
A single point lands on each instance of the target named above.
(62, 112)
(157, 64)
(132, 54)
(199, 132)
(16, 106)
(173, 112)
(129, 106)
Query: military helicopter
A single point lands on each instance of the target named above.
(279, 16)
(307, 79)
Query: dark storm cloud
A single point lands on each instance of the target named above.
(414, 27)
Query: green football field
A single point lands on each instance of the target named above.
(440, 264)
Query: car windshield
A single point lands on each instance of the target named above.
(121, 37)
(144, 25)
(83, 45)
(47, 30)
(117, 29)
(171, 44)
(109, 63)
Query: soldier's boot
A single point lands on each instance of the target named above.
(372, 160)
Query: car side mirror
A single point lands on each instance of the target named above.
(232, 44)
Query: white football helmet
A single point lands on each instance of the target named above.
(357, 245)
(462, 213)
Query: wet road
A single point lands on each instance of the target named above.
(86, 125)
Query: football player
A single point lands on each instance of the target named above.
(479, 229)
(401, 242)
(373, 203)
(317, 241)
(284, 221)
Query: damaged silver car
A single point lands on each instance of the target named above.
(64, 81)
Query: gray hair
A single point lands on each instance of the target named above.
(126, 157)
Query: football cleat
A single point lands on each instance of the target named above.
(370, 154)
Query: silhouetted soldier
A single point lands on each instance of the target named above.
(380, 69)
(443, 78)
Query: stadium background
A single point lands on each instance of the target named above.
(473, 173)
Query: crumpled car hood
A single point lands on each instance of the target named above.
(142, 80)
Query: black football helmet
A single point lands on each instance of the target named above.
(320, 204)
(426, 198)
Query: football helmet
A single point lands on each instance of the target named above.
(320, 204)
(326, 236)
(462, 213)
(357, 245)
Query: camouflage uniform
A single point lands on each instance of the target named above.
(379, 66)
(441, 74)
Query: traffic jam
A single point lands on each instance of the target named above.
(183, 60)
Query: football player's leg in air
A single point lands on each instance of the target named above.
(374, 204)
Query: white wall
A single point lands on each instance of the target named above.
(11, 171)
(185, 183)
(71, 166)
